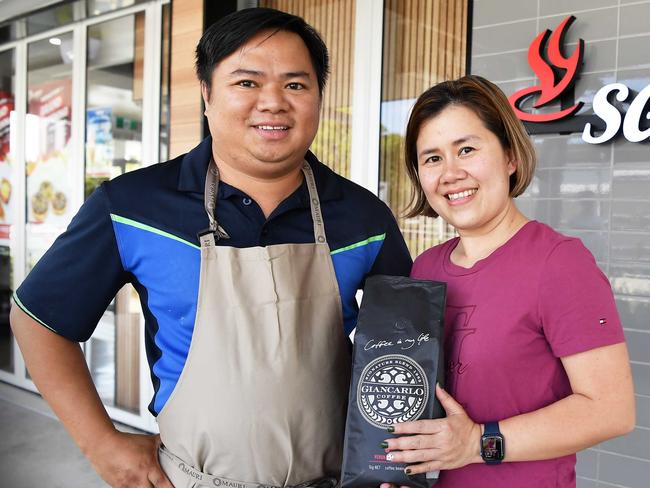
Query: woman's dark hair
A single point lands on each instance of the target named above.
(490, 104)
(231, 32)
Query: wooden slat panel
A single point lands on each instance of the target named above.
(127, 350)
(185, 96)
(424, 43)
(166, 46)
(334, 20)
(428, 41)
(138, 56)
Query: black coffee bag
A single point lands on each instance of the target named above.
(397, 360)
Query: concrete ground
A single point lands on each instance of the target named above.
(35, 449)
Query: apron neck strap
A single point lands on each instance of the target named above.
(215, 231)
(210, 193)
(314, 204)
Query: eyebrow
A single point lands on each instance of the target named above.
(252, 72)
(457, 142)
(246, 72)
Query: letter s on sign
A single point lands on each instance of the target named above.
(633, 117)
(607, 112)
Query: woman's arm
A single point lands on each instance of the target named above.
(600, 407)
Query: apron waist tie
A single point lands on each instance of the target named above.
(219, 481)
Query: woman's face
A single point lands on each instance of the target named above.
(464, 170)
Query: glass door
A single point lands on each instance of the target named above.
(48, 151)
(74, 112)
(7, 202)
(114, 145)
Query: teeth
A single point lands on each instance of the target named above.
(272, 127)
(462, 194)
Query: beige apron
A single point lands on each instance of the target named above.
(262, 396)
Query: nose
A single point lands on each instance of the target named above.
(452, 171)
(272, 98)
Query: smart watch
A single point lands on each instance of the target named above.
(493, 444)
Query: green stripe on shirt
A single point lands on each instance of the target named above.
(148, 228)
(24, 309)
(376, 238)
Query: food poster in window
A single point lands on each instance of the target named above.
(6, 187)
(47, 151)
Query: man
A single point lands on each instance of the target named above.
(250, 368)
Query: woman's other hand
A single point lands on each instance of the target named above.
(433, 445)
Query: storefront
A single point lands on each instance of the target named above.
(73, 113)
(588, 184)
(76, 115)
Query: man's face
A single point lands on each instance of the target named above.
(263, 106)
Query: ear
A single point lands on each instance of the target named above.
(512, 162)
(205, 93)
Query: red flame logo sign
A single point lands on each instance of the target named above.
(555, 75)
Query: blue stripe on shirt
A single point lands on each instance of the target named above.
(169, 268)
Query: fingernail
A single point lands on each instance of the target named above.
(389, 457)
(383, 445)
(407, 470)
(390, 429)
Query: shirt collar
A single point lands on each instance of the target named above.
(195, 166)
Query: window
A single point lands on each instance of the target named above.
(424, 43)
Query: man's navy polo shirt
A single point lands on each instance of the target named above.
(141, 228)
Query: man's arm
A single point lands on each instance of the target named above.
(394, 257)
(59, 371)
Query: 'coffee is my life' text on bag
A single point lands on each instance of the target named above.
(398, 358)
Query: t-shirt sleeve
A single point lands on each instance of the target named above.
(420, 268)
(393, 258)
(576, 303)
(72, 284)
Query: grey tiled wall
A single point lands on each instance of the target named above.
(600, 193)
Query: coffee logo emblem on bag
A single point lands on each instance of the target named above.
(392, 389)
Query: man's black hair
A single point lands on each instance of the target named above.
(231, 32)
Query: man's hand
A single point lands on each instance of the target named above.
(433, 445)
(129, 461)
(59, 370)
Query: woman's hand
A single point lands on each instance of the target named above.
(447, 443)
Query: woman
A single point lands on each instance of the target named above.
(534, 344)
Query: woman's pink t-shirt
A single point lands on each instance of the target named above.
(509, 320)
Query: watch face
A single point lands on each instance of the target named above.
(492, 448)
